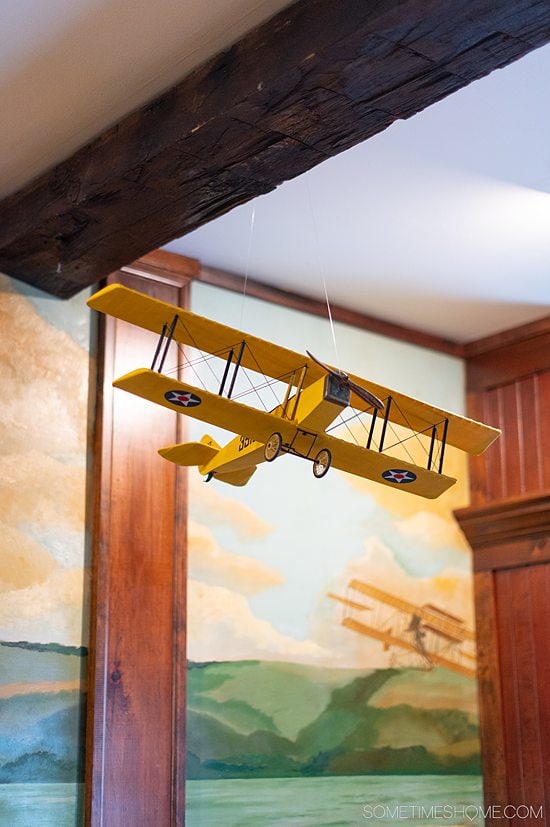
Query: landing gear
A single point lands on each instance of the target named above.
(321, 463)
(273, 447)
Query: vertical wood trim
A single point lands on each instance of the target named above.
(540, 595)
(495, 782)
(543, 392)
(531, 433)
(136, 716)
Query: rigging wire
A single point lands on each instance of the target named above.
(321, 266)
(247, 263)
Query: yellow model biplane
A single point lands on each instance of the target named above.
(310, 411)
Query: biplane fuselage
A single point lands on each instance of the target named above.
(308, 412)
(315, 396)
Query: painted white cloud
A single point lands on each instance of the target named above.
(450, 589)
(211, 563)
(433, 530)
(221, 626)
(23, 561)
(209, 505)
(48, 611)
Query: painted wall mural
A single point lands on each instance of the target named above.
(329, 625)
(43, 416)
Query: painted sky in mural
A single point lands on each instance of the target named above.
(43, 422)
(262, 558)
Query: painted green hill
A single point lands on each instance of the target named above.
(41, 729)
(258, 719)
(41, 736)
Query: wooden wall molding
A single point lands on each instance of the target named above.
(507, 338)
(164, 265)
(491, 723)
(506, 521)
(316, 79)
(509, 356)
(345, 315)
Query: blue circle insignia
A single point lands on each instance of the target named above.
(184, 399)
(398, 476)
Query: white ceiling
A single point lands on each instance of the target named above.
(71, 68)
(442, 222)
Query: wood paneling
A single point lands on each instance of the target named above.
(523, 623)
(506, 522)
(518, 463)
(495, 779)
(316, 79)
(508, 527)
(136, 715)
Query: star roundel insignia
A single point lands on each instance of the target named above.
(399, 476)
(185, 399)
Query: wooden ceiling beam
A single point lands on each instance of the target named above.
(316, 79)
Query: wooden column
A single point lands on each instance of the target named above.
(135, 754)
(508, 527)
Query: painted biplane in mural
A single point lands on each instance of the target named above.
(424, 635)
(309, 404)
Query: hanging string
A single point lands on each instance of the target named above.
(321, 266)
(247, 265)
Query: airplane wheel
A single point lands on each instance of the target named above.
(321, 463)
(273, 447)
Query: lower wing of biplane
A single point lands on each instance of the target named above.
(265, 435)
(308, 414)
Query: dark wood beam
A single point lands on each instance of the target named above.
(317, 78)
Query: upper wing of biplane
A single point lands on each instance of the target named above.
(260, 425)
(281, 363)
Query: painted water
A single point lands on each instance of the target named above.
(41, 805)
(356, 801)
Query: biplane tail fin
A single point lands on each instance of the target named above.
(191, 453)
(210, 441)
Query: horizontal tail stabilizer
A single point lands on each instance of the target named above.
(190, 453)
(236, 477)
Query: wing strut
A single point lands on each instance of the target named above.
(385, 425)
(443, 444)
(432, 446)
(372, 425)
(230, 356)
(167, 343)
(237, 366)
(226, 372)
